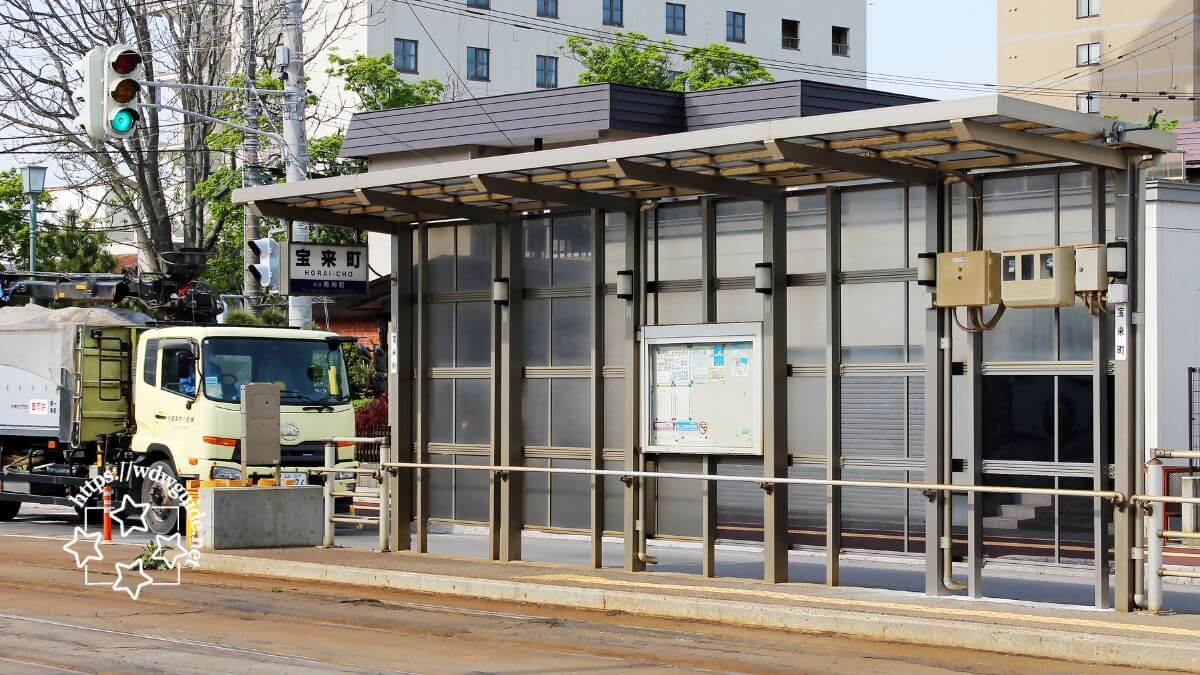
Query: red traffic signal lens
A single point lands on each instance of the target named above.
(126, 61)
(124, 90)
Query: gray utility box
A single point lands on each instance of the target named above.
(260, 424)
(261, 517)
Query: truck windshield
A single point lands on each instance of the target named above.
(309, 372)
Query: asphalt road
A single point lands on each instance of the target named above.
(50, 622)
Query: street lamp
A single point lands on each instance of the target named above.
(33, 181)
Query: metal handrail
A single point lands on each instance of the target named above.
(1116, 498)
(384, 497)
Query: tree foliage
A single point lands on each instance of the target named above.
(378, 85)
(631, 59)
(715, 66)
(66, 242)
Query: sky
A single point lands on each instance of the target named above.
(943, 39)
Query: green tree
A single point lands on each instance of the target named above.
(716, 66)
(631, 59)
(378, 85)
(14, 225)
(73, 246)
(223, 273)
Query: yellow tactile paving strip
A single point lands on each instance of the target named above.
(940, 611)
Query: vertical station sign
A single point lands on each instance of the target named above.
(326, 269)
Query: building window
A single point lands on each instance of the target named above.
(1087, 54)
(404, 55)
(791, 34)
(1088, 102)
(547, 8)
(479, 64)
(614, 12)
(547, 71)
(480, 4)
(676, 19)
(841, 41)
(1086, 8)
(735, 27)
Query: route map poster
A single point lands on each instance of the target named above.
(703, 396)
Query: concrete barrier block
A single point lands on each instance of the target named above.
(261, 517)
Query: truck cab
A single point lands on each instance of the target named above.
(187, 399)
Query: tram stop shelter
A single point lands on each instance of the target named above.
(522, 281)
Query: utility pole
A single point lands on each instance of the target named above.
(292, 63)
(250, 285)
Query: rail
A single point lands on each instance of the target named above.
(331, 493)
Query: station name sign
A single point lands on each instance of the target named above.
(326, 269)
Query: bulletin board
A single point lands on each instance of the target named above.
(702, 389)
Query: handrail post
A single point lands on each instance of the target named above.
(385, 491)
(330, 460)
(1154, 539)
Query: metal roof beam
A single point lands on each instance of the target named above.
(270, 209)
(554, 194)
(706, 183)
(988, 134)
(435, 207)
(867, 166)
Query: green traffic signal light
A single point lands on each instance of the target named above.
(123, 120)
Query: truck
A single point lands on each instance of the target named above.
(84, 390)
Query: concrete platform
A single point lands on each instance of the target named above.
(1011, 627)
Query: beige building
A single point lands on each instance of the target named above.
(1113, 57)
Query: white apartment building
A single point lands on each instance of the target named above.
(503, 46)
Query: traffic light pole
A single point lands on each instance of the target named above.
(250, 286)
(299, 307)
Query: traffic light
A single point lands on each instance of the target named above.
(122, 70)
(91, 93)
(266, 270)
(109, 91)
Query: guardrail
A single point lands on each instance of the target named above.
(1151, 504)
(331, 495)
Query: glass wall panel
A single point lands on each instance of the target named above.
(918, 301)
(614, 246)
(678, 500)
(1075, 333)
(873, 417)
(570, 335)
(472, 411)
(806, 507)
(570, 413)
(873, 229)
(1019, 525)
(441, 258)
(572, 250)
(441, 488)
(741, 304)
(614, 331)
(441, 411)
(614, 497)
(475, 252)
(739, 505)
(872, 518)
(739, 238)
(1018, 417)
(569, 502)
(614, 412)
(806, 324)
(1075, 522)
(441, 325)
(536, 489)
(677, 252)
(1075, 227)
(873, 320)
(537, 412)
(537, 252)
(537, 332)
(806, 234)
(806, 415)
(471, 490)
(1075, 418)
(916, 416)
(473, 333)
(677, 307)
(916, 224)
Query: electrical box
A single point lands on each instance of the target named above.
(1091, 268)
(1038, 277)
(968, 279)
(260, 424)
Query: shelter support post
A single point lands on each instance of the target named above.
(634, 228)
(936, 239)
(400, 385)
(1101, 441)
(833, 385)
(497, 393)
(512, 354)
(421, 495)
(973, 414)
(708, 314)
(596, 501)
(775, 411)
(1126, 457)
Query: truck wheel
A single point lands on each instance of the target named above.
(162, 517)
(8, 510)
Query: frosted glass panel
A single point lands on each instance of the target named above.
(570, 413)
(537, 252)
(742, 304)
(676, 307)
(739, 238)
(537, 332)
(473, 332)
(537, 412)
(475, 253)
(678, 242)
(806, 234)
(1075, 208)
(873, 229)
(441, 258)
(472, 411)
(614, 246)
(570, 334)
(806, 416)
(806, 324)
(571, 250)
(873, 322)
(441, 325)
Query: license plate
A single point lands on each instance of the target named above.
(294, 478)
